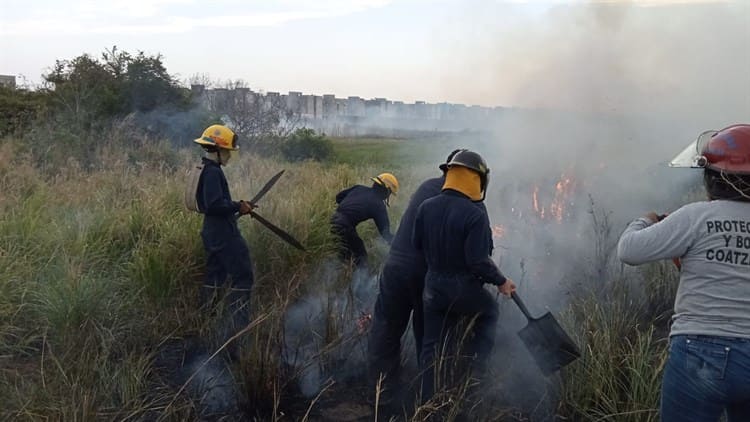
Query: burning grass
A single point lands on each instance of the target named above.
(99, 273)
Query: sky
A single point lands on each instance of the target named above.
(627, 55)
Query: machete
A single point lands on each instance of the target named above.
(281, 233)
(269, 184)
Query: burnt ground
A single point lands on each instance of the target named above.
(516, 391)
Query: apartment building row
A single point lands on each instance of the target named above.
(320, 107)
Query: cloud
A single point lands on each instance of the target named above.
(169, 16)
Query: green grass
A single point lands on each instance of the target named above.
(395, 154)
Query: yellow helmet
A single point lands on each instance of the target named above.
(387, 180)
(218, 136)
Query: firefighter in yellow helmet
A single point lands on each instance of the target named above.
(357, 204)
(228, 266)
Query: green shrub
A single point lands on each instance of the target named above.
(18, 109)
(305, 144)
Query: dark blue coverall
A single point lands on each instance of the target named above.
(227, 253)
(400, 295)
(357, 204)
(401, 283)
(455, 237)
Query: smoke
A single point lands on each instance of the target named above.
(607, 94)
(600, 97)
(324, 332)
(682, 60)
(604, 96)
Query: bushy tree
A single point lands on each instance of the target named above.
(18, 108)
(83, 90)
(150, 86)
(305, 144)
(87, 91)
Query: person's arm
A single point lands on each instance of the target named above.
(382, 222)
(213, 199)
(646, 240)
(476, 247)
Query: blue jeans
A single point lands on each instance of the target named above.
(705, 376)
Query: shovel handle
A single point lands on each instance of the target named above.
(521, 305)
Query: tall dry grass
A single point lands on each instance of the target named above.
(100, 266)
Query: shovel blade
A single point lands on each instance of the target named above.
(549, 344)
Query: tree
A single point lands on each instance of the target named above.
(254, 116)
(18, 108)
(150, 86)
(305, 144)
(89, 91)
(83, 90)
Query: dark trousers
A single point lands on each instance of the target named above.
(227, 255)
(350, 245)
(449, 300)
(229, 278)
(399, 298)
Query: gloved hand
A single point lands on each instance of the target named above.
(246, 207)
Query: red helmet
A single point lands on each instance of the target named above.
(726, 150)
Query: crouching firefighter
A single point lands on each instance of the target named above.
(400, 297)
(357, 204)
(229, 272)
(455, 237)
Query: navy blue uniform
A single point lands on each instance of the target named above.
(357, 204)
(401, 283)
(227, 253)
(455, 237)
(400, 295)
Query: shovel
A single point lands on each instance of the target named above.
(547, 342)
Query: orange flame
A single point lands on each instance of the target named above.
(559, 202)
(535, 201)
(557, 208)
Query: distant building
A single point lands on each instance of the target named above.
(8, 81)
(353, 116)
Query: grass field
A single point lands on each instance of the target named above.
(390, 153)
(100, 267)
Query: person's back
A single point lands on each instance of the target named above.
(360, 203)
(708, 365)
(402, 250)
(357, 204)
(712, 239)
(454, 234)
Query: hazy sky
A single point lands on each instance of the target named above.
(572, 54)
